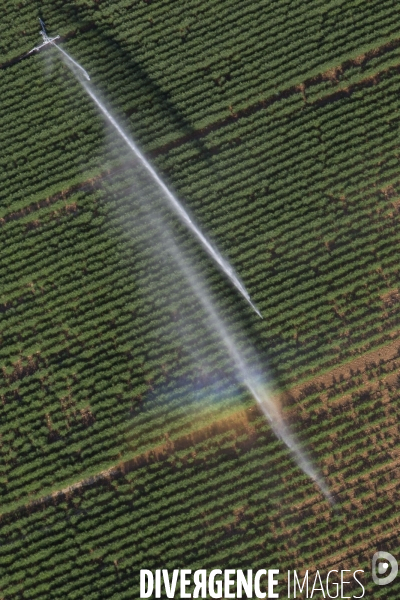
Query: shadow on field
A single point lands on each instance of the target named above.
(134, 76)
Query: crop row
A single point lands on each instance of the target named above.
(246, 48)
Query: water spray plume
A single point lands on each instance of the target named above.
(176, 205)
(257, 388)
(72, 61)
(280, 428)
(246, 373)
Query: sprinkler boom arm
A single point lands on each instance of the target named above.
(46, 39)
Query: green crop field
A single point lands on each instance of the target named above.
(126, 440)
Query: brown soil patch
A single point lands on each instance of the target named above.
(388, 191)
(89, 185)
(302, 89)
(332, 74)
(391, 297)
(360, 59)
(22, 367)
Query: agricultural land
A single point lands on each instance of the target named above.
(126, 441)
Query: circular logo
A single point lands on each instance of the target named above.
(380, 568)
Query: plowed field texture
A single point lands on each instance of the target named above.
(126, 440)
